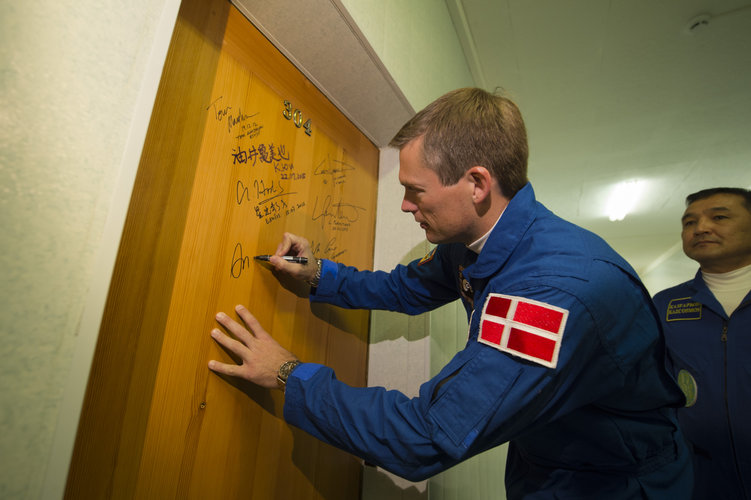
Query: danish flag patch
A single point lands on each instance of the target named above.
(522, 327)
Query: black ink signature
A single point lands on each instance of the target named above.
(330, 250)
(249, 130)
(266, 153)
(219, 112)
(262, 190)
(239, 262)
(236, 120)
(336, 211)
(339, 168)
(263, 193)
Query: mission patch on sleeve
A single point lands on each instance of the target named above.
(428, 257)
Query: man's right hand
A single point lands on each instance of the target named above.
(299, 247)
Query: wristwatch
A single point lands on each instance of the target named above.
(285, 369)
(317, 277)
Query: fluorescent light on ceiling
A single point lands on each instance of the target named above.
(623, 199)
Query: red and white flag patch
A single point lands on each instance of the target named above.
(522, 327)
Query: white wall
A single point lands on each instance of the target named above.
(669, 269)
(78, 79)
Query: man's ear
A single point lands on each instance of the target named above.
(482, 183)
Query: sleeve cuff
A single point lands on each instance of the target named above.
(327, 284)
(294, 412)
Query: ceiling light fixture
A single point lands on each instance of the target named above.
(623, 199)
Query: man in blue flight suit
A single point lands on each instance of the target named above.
(564, 358)
(707, 324)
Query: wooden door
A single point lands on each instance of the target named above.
(241, 147)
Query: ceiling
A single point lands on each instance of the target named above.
(621, 90)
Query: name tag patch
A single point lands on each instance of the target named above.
(683, 309)
(524, 328)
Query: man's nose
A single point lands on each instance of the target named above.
(702, 225)
(408, 206)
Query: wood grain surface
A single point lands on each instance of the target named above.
(228, 166)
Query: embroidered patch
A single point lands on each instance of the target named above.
(465, 288)
(687, 383)
(522, 327)
(428, 257)
(683, 309)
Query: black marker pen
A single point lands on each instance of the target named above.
(288, 258)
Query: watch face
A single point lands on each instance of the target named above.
(286, 369)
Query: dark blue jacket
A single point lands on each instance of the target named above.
(711, 354)
(595, 423)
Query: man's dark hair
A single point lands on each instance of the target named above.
(471, 127)
(706, 193)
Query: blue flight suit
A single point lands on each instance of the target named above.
(598, 425)
(709, 354)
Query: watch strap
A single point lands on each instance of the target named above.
(314, 282)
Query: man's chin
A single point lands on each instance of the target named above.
(432, 237)
(703, 257)
(436, 239)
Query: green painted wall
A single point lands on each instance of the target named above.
(71, 75)
(416, 41)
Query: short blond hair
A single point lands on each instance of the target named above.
(471, 127)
